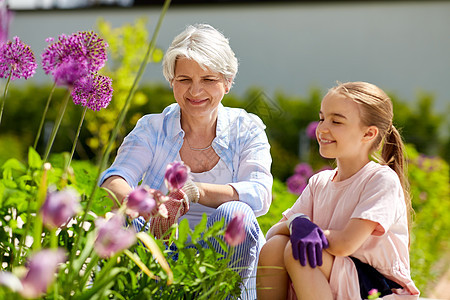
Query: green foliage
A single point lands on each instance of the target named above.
(199, 272)
(430, 193)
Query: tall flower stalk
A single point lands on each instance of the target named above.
(104, 159)
(95, 92)
(69, 60)
(56, 125)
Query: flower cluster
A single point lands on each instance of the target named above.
(85, 48)
(311, 130)
(5, 19)
(298, 181)
(16, 60)
(94, 91)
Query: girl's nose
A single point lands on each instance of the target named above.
(321, 127)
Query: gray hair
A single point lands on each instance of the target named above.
(205, 45)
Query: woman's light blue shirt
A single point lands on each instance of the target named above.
(240, 142)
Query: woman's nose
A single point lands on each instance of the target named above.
(195, 88)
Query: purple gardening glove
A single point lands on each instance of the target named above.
(307, 240)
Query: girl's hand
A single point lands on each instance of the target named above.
(308, 241)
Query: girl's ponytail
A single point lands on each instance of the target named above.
(393, 155)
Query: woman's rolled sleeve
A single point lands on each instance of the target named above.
(254, 180)
(133, 156)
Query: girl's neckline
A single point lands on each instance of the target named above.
(351, 178)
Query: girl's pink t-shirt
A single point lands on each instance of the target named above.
(373, 193)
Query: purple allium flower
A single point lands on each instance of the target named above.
(80, 46)
(235, 232)
(297, 183)
(5, 19)
(112, 237)
(59, 207)
(311, 130)
(176, 175)
(41, 272)
(94, 91)
(140, 203)
(17, 59)
(69, 71)
(304, 170)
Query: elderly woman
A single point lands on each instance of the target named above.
(226, 148)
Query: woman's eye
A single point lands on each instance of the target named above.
(336, 122)
(321, 120)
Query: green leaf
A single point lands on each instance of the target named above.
(183, 231)
(200, 228)
(34, 160)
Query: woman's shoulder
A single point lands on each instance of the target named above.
(241, 117)
(170, 112)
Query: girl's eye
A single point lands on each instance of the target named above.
(321, 120)
(336, 122)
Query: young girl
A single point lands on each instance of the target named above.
(348, 232)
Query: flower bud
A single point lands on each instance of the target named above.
(59, 207)
(41, 272)
(176, 175)
(235, 233)
(112, 237)
(140, 203)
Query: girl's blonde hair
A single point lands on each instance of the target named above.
(376, 110)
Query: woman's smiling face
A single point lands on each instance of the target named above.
(198, 91)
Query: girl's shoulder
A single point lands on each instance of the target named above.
(378, 172)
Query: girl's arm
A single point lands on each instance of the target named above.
(279, 228)
(347, 241)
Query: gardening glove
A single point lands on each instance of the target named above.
(191, 190)
(177, 205)
(307, 240)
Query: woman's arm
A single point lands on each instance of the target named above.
(347, 241)
(118, 186)
(213, 195)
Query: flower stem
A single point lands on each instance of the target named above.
(56, 126)
(53, 239)
(43, 115)
(76, 137)
(4, 95)
(105, 157)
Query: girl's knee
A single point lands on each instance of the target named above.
(272, 251)
(288, 256)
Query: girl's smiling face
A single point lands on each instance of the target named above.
(340, 132)
(198, 91)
